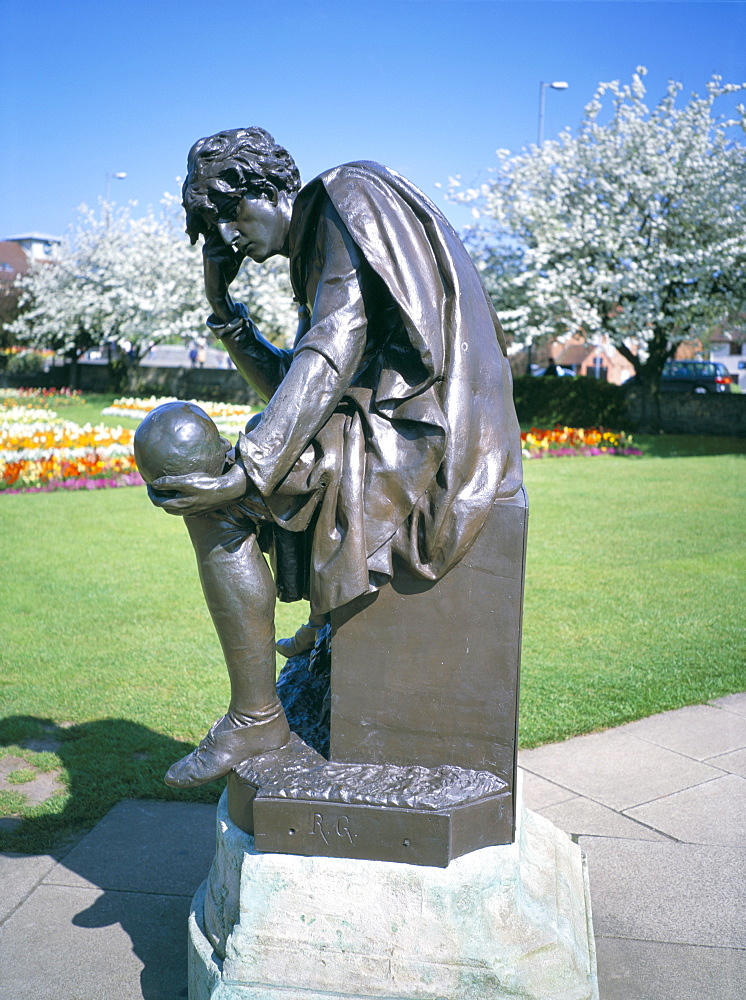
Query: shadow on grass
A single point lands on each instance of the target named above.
(688, 445)
(105, 762)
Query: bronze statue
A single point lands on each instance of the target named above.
(389, 429)
(177, 439)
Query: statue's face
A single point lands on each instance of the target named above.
(260, 227)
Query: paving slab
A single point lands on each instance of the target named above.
(85, 944)
(711, 813)
(161, 847)
(538, 793)
(699, 731)
(108, 923)
(675, 893)
(732, 703)
(734, 763)
(616, 769)
(651, 970)
(19, 876)
(578, 816)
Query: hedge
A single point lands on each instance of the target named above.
(572, 402)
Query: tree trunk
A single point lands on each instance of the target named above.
(72, 379)
(649, 378)
(117, 372)
(650, 404)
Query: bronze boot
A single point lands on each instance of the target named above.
(229, 742)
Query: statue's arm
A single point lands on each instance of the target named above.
(325, 361)
(262, 364)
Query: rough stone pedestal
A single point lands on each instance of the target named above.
(502, 923)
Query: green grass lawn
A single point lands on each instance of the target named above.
(105, 647)
(110, 669)
(89, 411)
(634, 590)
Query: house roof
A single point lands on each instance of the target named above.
(37, 237)
(729, 336)
(573, 354)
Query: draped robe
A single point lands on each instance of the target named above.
(389, 429)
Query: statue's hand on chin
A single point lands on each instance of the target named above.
(198, 493)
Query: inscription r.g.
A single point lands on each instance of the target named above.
(332, 828)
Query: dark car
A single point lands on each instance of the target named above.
(695, 376)
(558, 371)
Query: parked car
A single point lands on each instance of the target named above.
(695, 376)
(558, 370)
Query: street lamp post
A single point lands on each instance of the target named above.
(118, 176)
(556, 85)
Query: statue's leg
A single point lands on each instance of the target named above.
(240, 595)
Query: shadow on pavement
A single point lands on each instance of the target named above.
(136, 870)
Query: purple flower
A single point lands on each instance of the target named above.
(129, 479)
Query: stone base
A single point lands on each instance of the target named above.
(502, 923)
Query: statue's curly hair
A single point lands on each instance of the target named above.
(224, 168)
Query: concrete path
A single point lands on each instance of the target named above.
(659, 806)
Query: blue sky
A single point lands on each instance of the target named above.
(430, 87)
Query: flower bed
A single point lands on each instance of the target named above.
(229, 417)
(41, 397)
(39, 451)
(568, 442)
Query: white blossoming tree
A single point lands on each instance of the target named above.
(633, 226)
(134, 282)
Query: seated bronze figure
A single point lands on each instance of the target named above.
(389, 429)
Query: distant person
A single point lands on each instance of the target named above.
(201, 355)
(551, 368)
(193, 356)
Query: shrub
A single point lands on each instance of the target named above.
(573, 402)
(26, 363)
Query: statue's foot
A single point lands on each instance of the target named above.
(229, 742)
(301, 642)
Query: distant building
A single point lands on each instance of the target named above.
(601, 360)
(728, 346)
(597, 360)
(17, 254)
(13, 261)
(36, 246)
